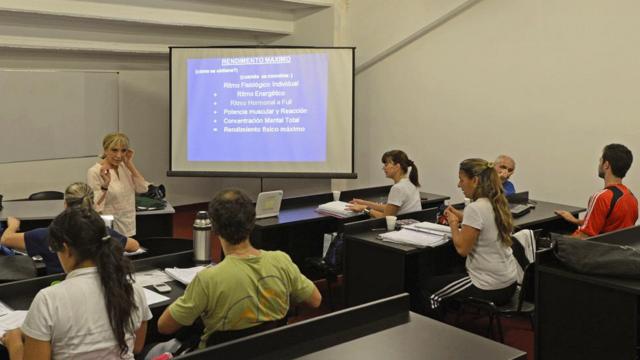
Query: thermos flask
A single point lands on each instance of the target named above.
(202, 238)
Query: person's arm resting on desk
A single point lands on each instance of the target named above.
(11, 237)
(388, 210)
(569, 217)
(185, 310)
(594, 219)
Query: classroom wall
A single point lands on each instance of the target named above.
(549, 82)
(144, 116)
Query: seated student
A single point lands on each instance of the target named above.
(95, 313)
(3, 249)
(404, 195)
(506, 166)
(484, 239)
(34, 242)
(615, 207)
(248, 287)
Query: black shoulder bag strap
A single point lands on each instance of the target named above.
(617, 194)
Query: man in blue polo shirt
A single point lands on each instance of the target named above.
(506, 166)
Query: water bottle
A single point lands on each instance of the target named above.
(202, 238)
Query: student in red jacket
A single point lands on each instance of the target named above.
(614, 207)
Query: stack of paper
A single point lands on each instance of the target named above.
(184, 275)
(4, 309)
(337, 209)
(150, 277)
(430, 228)
(414, 238)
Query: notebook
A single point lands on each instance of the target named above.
(337, 209)
(184, 275)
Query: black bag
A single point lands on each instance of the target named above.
(154, 192)
(335, 253)
(596, 258)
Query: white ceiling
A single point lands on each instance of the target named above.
(144, 28)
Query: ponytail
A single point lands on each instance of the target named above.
(401, 158)
(79, 194)
(490, 186)
(115, 275)
(85, 234)
(413, 174)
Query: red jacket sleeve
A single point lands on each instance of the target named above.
(596, 213)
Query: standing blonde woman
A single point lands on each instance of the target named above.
(484, 239)
(115, 181)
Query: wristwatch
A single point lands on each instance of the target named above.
(367, 211)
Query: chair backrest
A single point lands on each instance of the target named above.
(527, 289)
(220, 337)
(368, 224)
(429, 215)
(47, 195)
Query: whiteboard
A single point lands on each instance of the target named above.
(55, 114)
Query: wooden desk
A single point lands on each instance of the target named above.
(384, 329)
(14, 268)
(582, 316)
(19, 294)
(544, 217)
(375, 269)
(17, 267)
(299, 230)
(39, 213)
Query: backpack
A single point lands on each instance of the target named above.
(153, 199)
(596, 258)
(335, 253)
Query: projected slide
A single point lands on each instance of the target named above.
(257, 108)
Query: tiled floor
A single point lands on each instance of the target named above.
(517, 331)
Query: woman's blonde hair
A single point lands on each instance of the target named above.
(114, 139)
(490, 186)
(79, 194)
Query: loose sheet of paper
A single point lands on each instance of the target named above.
(11, 320)
(150, 277)
(153, 297)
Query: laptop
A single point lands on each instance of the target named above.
(519, 204)
(268, 204)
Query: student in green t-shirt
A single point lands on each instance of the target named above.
(249, 287)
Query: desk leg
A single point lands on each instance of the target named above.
(372, 272)
(154, 226)
(580, 320)
(300, 242)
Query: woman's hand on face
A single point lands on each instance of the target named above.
(105, 175)
(128, 157)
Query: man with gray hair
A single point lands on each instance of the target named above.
(506, 166)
